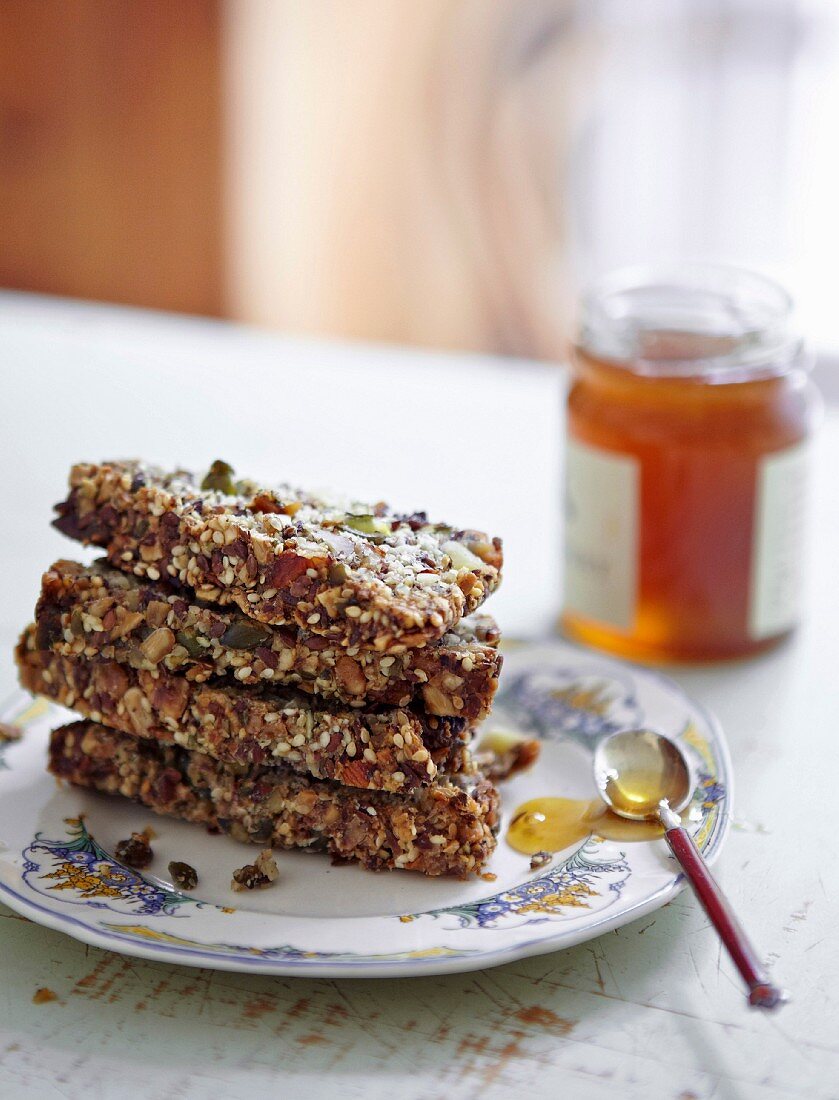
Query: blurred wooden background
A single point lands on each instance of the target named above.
(443, 173)
(110, 150)
(355, 167)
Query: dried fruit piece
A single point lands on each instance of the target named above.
(540, 859)
(183, 875)
(135, 852)
(265, 503)
(257, 875)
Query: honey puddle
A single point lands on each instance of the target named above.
(551, 824)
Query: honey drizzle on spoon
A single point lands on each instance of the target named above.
(642, 768)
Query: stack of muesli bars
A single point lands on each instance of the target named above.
(292, 671)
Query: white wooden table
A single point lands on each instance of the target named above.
(654, 1009)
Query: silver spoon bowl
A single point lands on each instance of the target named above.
(636, 769)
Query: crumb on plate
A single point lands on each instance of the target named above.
(135, 852)
(184, 876)
(257, 875)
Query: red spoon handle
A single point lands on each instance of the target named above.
(762, 993)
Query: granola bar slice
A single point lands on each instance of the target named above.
(445, 829)
(357, 574)
(393, 749)
(98, 611)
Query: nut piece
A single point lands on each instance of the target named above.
(350, 676)
(461, 557)
(183, 876)
(135, 852)
(158, 644)
(257, 875)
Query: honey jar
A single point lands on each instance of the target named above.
(688, 419)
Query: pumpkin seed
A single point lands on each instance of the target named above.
(220, 478)
(245, 635)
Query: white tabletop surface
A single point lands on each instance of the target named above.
(654, 1009)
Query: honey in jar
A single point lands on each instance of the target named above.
(689, 412)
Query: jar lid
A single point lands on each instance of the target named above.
(705, 321)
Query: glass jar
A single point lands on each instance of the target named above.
(689, 413)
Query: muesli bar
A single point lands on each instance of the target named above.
(392, 750)
(100, 612)
(357, 574)
(445, 829)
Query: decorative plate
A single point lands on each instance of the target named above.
(57, 865)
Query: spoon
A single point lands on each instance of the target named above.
(644, 776)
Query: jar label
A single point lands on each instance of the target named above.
(601, 534)
(780, 498)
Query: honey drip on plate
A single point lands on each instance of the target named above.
(552, 824)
